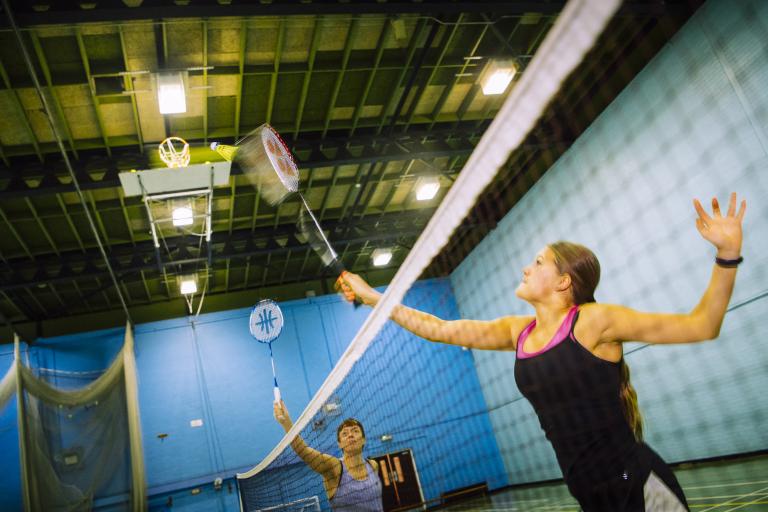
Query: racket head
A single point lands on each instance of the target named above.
(266, 321)
(267, 164)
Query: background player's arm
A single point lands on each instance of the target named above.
(498, 334)
(326, 465)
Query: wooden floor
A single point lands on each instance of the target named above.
(710, 487)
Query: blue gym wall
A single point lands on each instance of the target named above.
(10, 483)
(215, 371)
(692, 124)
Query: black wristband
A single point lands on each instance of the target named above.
(729, 263)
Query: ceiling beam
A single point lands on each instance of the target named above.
(240, 79)
(52, 91)
(444, 45)
(351, 32)
(308, 75)
(41, 225)
(380, 45)
(95, 171)
(92, 90)
(69, 12)
(413, 45)
(457, 76)
(275, 69)
(204, 90)
(128, 259)
(128, 86)
(21, 111)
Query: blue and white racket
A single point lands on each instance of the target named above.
(266, 324)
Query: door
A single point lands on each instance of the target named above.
(401, 489)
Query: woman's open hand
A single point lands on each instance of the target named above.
(724, 232)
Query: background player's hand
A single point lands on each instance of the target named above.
(354, 287)
(282, 416)
(724, 232)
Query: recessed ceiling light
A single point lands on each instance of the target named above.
(182, 216)
(427, 187)
(497, 76)
(381, 257)
(170, 93)
(188, 286)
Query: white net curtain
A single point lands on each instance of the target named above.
(80, 445)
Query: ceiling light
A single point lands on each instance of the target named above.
(381, 257)
(170, 93)
(497, 76)
(182, 216)
(188, 285)
(427, 187)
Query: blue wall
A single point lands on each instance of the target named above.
(10, 483)
(692, 124)
(213, 370)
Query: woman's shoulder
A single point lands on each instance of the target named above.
(588, 325)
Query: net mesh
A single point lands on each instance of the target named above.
(80, 437)
(443, 423)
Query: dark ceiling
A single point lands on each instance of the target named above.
(370, 95)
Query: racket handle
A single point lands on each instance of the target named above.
(344, 288)
(277, 394)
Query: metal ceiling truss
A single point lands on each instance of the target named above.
(97, 171)
(134, 261)
(115, 10)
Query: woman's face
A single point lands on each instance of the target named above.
(541, 278)
(351, 439)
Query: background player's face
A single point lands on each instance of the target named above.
(351, 439)
(541, 278)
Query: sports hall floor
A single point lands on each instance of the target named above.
(710, 487)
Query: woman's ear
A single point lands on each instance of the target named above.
(564, 283)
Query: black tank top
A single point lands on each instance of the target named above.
(576, 397)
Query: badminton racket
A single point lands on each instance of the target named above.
(267, 163)
(266, 324)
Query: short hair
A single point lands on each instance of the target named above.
(349, 422)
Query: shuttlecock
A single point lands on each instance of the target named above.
(227, 152)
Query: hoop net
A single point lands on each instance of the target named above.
(174, 151)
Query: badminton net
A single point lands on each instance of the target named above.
(380, 360)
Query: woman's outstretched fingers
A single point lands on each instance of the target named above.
(742, 210)
(703, 216)
(715, 207)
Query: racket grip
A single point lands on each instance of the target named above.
(344, 288)
(277, 394)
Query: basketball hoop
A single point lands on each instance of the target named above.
(174, 151)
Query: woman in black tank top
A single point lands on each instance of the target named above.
(570, 363)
